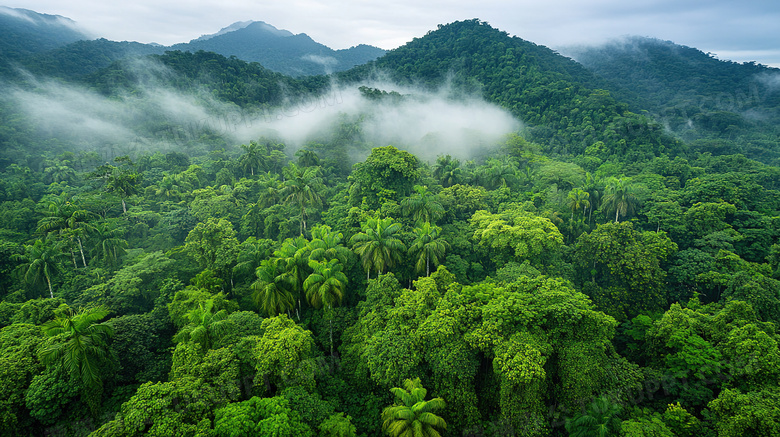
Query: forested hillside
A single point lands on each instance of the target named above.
(717, 106)
(209, 248)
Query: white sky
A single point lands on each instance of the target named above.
(746, 30)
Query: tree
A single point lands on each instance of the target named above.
(110, 246)
(387, 173)
(252, 159)
(578, 200)
(302, 187)
(428, 246)
(68, 221)
(122, 180)
(168, 187)
(326, 286)
(214, 245)
(271, 291)
(205, 326)
(516, 233)
(412, 415)
(326, 245)
(447, 171)
(423, 205)
(620, 197)
(40, 261)
(84, 347)
(260, 416)
(307, 158)
(293, 258)
(378, 245)
(599, 420)
(251, 254)
(624, 269)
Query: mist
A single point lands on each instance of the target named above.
(155, 117)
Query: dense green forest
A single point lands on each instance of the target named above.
(591, 273)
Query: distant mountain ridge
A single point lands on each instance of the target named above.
(280, 50)
(54, 45)
(24, 33)
(718, 106)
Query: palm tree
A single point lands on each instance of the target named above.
(599, 420)
(619, 197)
(271, 291)
(412, 415)
(326, 245)
(428, 246)
(84, 347)
(59, 172)
(326, 287)
(124, 183)
(110, 246)
(168, 187)
(307, 158)
(423, 205)
(578, 200)
(498, 172)
(447, 171)
(595, 189)
(205, 327)
(40, 261)
(293, 258)
(378, 246)
(69, 222)
(270, 194)
(302, 187)
(253, 158)
(251, 254)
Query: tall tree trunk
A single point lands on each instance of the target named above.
(81, 249)
(124, 206)
(51, 292)
(330, 322)
(617, 211)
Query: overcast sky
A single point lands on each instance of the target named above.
(746, 30)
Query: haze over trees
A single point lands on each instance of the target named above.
(586, 272)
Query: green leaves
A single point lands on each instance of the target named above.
(85, 344)
(326, 286)
(428, 246)
(260, 416)
(378, 246)
(213, 244)
(515, 233)
(412, 415)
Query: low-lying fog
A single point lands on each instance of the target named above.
(425, 123)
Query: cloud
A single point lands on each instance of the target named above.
(157, 117)
(717, 26)
(425, 123)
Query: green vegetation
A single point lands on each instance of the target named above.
(591, 275)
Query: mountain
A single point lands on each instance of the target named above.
(60, 50)
(561, 102)
(280, 50)
(235, 26)
(720, 106)
(84, 57)
(24, 32)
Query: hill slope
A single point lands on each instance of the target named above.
(24, 32)
(700, 98)
(558, 98)
(280, 50)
